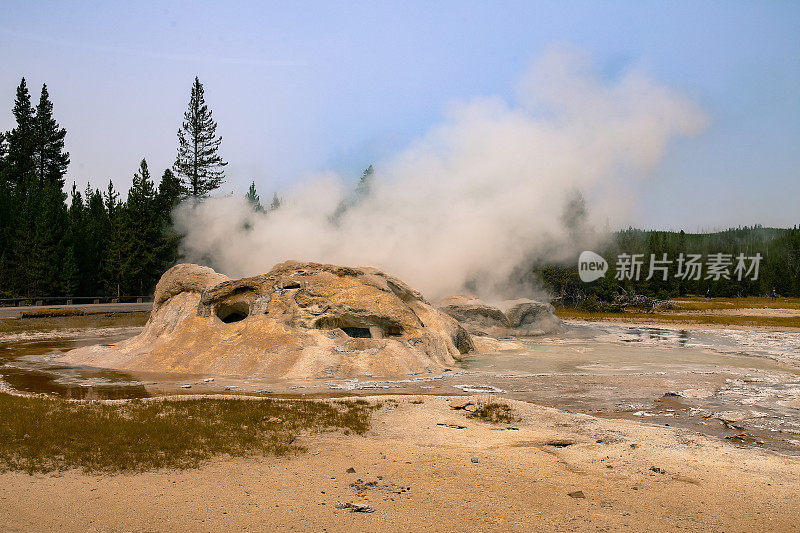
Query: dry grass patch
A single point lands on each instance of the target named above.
(43, 435)
(51, 313)
(494, 412)
(53, 323)
(698, 303)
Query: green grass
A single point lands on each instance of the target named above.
(43, 435)
(494, 412)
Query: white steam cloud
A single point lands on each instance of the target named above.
(476, 196)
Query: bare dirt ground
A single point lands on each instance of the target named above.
(425, 466)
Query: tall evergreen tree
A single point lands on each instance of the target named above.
(47, 248)
(75, 260)
(49, 156)
(252, 197)
(276, 202)
(20, 167)
(362, 190)
(365, 183)
(21, 207)
(141, 233)
(96, 231)
(199, 163)
(113, 262)
(170, 192)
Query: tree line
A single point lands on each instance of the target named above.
(778, 269)
(92, 243)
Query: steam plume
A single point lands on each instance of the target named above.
(481, 192)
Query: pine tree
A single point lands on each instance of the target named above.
(20, 167)
(112, 272)
(276, 202)
(47, 248)
(362, 190)
(141, 233)
(365, 183)
(49, 156)
(198, 162)
(96, 230)
(19, 177)
(70, 274)
(17, 207)
(34, 177)
(170, 192)
(253, 199)
(76, 244)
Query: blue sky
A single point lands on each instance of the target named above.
(301, 87)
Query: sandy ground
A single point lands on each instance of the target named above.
(426, 467)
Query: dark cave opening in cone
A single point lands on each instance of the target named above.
(357, 333)
(233, 312)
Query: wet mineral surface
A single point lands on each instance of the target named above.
(742, 386)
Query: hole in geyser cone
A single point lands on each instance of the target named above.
(233, 312)
(357, 333)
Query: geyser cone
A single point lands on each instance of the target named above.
(299, 320)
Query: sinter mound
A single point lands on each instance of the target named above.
(510, 318)
(299, 320)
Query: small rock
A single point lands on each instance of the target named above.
(351, 470)
(474, 459)
(658, 470)
(460, 403)
(454, 426)
(186, 386)
(355, 507)
(560, 443)
(208, 380)
(577, 494)
(471, 408)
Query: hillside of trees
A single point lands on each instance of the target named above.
(92, 243)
